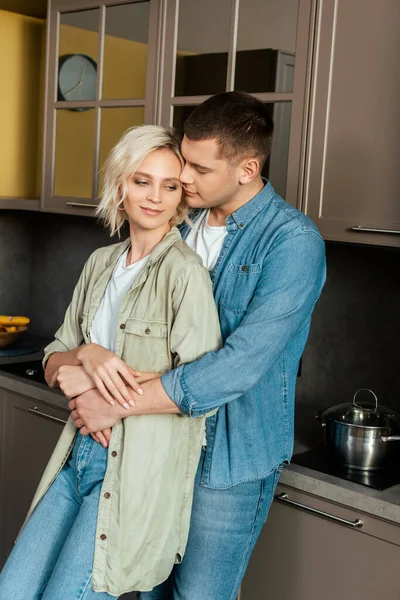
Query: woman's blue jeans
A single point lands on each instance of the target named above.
(53, 557)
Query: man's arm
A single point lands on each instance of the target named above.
(290, 284)
(57, 360)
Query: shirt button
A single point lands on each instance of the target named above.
(103, 536)
(147, 331)
(244, 268)
(241, 225)
(107, 495)
(122, 326)
(114, 453)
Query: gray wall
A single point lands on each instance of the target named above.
(354, 340)
(15, 264)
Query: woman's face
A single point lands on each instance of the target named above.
(154, 191)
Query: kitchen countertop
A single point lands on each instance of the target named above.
(382, 504)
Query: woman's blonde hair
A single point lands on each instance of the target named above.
(122, 162)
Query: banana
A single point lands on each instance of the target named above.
(6, 320)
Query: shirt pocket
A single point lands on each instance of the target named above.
(240, 282)
(146, 345)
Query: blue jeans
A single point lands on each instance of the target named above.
(53, 557)
(224, 528)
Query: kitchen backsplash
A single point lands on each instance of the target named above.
(354, 340)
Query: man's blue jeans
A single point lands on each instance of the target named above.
(53, 556)
(224, 528)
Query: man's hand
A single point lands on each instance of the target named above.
(74, 381)
(109, 373)
(91, 414)
(102, 437)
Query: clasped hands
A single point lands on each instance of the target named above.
(101, 390)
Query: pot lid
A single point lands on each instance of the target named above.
(365, 414)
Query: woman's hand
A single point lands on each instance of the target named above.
(110, 374)
(73, 381)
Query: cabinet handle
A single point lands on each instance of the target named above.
(81, 204)
(320, 513)
(36, 411)
(374, 230)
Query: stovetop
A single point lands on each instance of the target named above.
(31, 369)
(320, 460)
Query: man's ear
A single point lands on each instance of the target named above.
(250, 170)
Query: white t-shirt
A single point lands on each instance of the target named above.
(105, 322)
(207, 242)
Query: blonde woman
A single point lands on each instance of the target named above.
(112, 517)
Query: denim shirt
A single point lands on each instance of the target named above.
(268, 277)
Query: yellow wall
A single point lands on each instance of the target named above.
(124, 77)
(20, 75)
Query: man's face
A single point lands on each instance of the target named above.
(208, 181)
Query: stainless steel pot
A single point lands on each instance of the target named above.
(361, 437)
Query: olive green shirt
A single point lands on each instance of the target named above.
(167, 318)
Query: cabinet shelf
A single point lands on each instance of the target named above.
(19, 203)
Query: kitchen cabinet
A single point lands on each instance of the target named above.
(352, 179)
(29, 432)
(101, 76)
(302, 555)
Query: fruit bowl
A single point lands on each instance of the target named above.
(9, 337)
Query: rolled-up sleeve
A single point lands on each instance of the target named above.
(292, 278)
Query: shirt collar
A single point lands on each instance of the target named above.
(246, 213)
(170, 238)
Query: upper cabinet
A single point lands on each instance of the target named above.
(326, 70)
(21, 49)
(352, 179)
(102, 72)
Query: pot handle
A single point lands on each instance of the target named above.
(319, 416)
(363, 407)
(390, 438)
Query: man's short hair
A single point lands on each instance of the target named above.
(240, 123)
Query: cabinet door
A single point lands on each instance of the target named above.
(101, 77)
(302, 556)
(29, 433)
(352, 177)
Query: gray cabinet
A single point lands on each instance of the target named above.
(352, 179)
(29, 432)
(101, 65)
(301, 555)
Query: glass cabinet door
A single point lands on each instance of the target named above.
(256, 46)
(101, 82)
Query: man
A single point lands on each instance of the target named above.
(267, 264)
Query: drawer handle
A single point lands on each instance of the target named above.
(36, 411)
(320, 513)
(374, 230)
(82, 204)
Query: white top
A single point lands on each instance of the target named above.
(207, 242)
(105, 322)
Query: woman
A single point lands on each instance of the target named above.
(107, 520)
